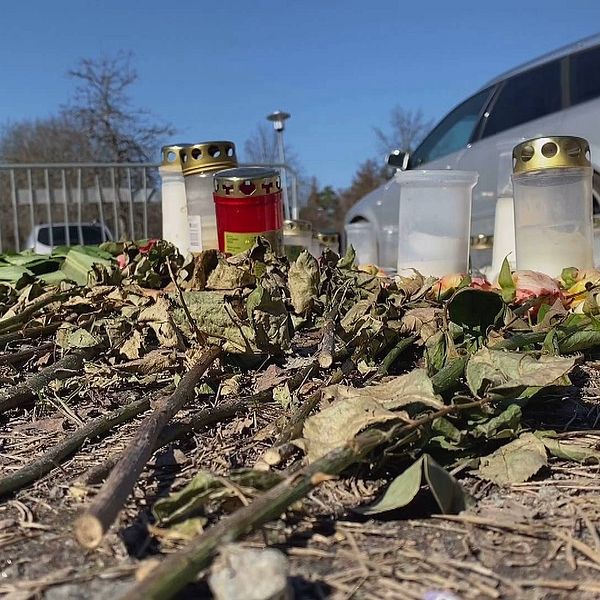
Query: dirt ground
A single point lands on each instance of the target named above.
(537, 540)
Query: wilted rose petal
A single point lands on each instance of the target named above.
(531, 284)
(444, 286)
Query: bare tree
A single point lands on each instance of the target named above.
(407, 129)
(102, 108)
(261, 146)
(54, 139)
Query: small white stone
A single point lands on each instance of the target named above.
(250, 574)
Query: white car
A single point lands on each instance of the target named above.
(557, 94)
(43, 238)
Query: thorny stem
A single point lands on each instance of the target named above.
(182, 567)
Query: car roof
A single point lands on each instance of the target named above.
(583, 44)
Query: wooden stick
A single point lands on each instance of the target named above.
(93, 524)
(28, 333)
(32, 307)
(22, 393)
(326, 346)
(14, 358)
(180, 568)
(205, 417)
(394, 353)
(55, 455)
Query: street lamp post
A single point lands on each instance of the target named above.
(278, 119)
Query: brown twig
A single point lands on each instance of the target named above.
(55, 455)
(93, 524)
(22, 393)
(326, 345)
(180, 568)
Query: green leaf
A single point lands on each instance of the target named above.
(435, 352)
(446, 491)
(505, 425)
(447, 429)
(515, 462)
(475, 309)
(81, 259)
(569, 276)
(579, 341)
(506, 283)
(401, 492)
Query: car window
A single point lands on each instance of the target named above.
(453, 132)
(525, 97)
(92, 234)
(585, 75)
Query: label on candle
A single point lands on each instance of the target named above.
(236, 242)
(195, 226)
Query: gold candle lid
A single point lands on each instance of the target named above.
(206, 157)
(290, 226)
(554, 152)
(247, 182)
(328, 238)
(171, 155)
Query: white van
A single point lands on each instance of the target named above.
(557, 94)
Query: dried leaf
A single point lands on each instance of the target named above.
(282, 395)
(229, 277)
(423, 321)
(206, 487)
(399, 392)
(68, 337)
(132, 345)
(514, 462)
(303, 281)
(340, 422)
(576, 451)
(502, 372)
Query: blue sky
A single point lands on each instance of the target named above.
(215, 69)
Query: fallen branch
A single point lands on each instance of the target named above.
(394, 354)
(93, 524)
(22, 393)
(326, 346)
(204, 418)
(30, 309)
(28, 333)
(55, 455)
(182, 567)
(14, 358)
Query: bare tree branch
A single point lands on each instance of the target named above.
(407, 129)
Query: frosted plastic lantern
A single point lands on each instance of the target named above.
(552, 183)
(174, 206)
(361, 236)
(199, 164)
(435, 221)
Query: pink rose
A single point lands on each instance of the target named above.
(531, 285)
